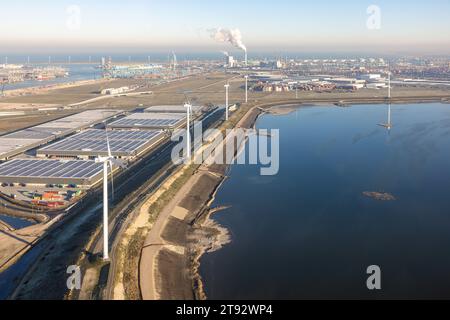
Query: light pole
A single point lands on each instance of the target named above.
(227, 86)
(188, 132)
(246, 88)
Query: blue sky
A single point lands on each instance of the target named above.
(288, 25)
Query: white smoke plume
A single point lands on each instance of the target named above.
(226, 54)
(232, 36)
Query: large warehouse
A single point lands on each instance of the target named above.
(43, 172)
(20, 141)
(172, 109)
(148, 120)
(91, 143)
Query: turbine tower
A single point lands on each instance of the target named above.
(388, 125)
(227, 86)
(107, 161)
(188, 107)
(246, 88)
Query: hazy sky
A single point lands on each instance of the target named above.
(282, 25)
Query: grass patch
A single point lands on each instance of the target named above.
(156, 207)
(131, 265)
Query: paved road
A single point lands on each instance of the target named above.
(154, 243)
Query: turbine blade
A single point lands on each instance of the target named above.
(107, 143)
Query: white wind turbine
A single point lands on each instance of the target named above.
(388, 125)
(107, 161)
(188, 107)
(227, 86)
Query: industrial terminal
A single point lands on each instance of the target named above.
(62, 154)
(20, 141)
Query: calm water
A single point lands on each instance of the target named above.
(77, 72)
(308, 232)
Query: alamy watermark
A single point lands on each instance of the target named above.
(374, 19)
(236, 146)
(74, 280)
(73, 22)
(374, 280)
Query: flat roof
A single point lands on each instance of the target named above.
(150, 120)
(20, 141)
(92, 142)
(39, 171)
(172, 109)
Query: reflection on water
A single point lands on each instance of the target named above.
(309, 232)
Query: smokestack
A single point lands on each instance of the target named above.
(246, 62)
(232, 36)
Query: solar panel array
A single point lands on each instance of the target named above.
(146, 123)
(172, 109)
(26, 139)
(150, 121)
(93, 142)
(34, 168)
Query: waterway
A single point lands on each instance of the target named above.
(77, 72)
(309, 232)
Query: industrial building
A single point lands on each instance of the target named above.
(81, 173)
(172, 109)
(231, 63)
(148, 120)
(348, 83)
(112, 91)
(89, 144)
(20, 141)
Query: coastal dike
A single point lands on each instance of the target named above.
(157, 256)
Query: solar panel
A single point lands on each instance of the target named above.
(36, 168)
(150, 120)
(93, 142)
(38, 135)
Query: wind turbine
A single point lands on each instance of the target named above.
(227, 86)
(107, 161)
(188, 107)
(388, 125)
